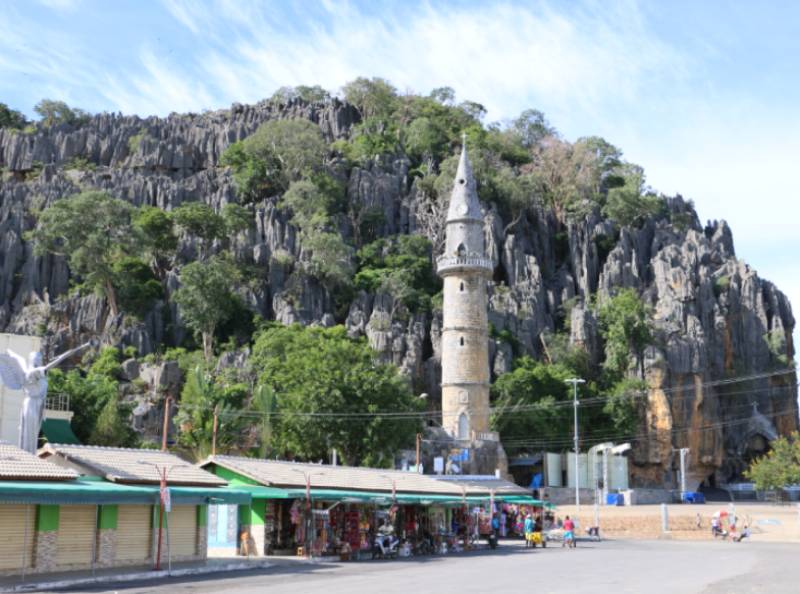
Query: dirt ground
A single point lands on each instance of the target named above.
(767, 522)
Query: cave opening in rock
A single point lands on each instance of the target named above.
(500, 276)
(754, 448)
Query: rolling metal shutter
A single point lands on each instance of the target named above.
(183, 530)
(134, 533)
(76, 535)
(17, 524)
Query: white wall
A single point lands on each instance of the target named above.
(11, 400)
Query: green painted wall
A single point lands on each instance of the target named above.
(202, 515)
(108, 517)
(47, 517)
(244, 515)
(234, 478)
(257, 512)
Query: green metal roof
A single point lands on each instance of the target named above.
(59, 431)
(98, 492)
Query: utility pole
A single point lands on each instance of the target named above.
(214, 431)
(165, 429)
(683, 452)
(419, 443)
(575, 381)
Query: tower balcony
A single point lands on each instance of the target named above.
(449, 264)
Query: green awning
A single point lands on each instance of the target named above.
(203, 495)
(99, 492)
(59, 431)
(86, 492)
(261, 492)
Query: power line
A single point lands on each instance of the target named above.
(513, 409)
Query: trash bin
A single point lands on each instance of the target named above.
(615, 499)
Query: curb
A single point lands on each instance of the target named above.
(131, 577)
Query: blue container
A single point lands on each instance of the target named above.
(693, 497)
(615, 499)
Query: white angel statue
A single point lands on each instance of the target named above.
(31, 377)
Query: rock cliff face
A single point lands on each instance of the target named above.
(714, 315)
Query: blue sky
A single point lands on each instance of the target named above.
(704, 95)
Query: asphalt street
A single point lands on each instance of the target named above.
(618, 567)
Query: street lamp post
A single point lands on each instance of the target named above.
(163, 472)
(309, 512)
(575, 381)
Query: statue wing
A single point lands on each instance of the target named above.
(11, 372)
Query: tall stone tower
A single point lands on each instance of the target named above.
(465, 270)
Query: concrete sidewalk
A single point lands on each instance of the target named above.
(70, 579)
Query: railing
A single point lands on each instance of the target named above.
(454, 262)
(57, 402)
(487, 436)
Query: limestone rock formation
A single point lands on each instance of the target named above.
(716, 317)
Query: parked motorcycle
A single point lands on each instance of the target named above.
(385, 545)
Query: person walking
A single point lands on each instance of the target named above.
(569, 533)
(528, 529)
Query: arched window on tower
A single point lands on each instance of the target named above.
(461, 341)
(463, 426)
(461, 287)
(461, 252)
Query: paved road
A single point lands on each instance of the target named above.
(618, 567)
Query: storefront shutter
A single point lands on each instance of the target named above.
(15, 522)
(183, 530)
(76, 535)
(134, 533)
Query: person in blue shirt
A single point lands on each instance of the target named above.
(528, 529)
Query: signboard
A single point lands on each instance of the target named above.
(166, 500)
(438, 465)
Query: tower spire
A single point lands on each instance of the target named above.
(464, 203)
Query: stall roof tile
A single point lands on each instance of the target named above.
(19, 465)
(292, 474)
(130, 465)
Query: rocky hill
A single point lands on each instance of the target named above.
(714, 317)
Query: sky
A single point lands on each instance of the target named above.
(703, 95)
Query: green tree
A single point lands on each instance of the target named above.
(136, 286)
(279, 152)
(156, 228)
(622, 406)
(205, 298)
(202, 394)
(200, 220)
(318, 373)
(371, 96)
(57, 112)
(310, 206)
(525, 401)
(532, 127)
(112, 427)
(90, 244)
(11, 118)
(626, 327)
(631, 203)
(400, 266)
(236, 218)
(265, 404)
(100, 418)
(780, 466)
(331, 259)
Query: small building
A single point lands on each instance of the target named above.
(281, 491)
(106, 511)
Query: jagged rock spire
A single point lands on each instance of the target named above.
(464, 203)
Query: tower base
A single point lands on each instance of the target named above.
(475, 456)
